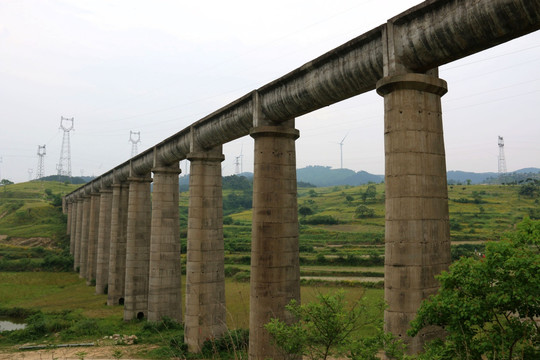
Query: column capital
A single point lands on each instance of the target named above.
(412, 81)
(167, 170)
(205, 156)
(277, 131)
(144, 178)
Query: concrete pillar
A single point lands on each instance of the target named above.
(92, 238)
(117, 256)
(417, 235)
(72, 227)
(138, 248)
(205, 269)
(165, 281)
(68, 209)
(275, 269)
(83, 265)
(103, 241)
(78, 232)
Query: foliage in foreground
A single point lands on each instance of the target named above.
(329, 328)
(488, 305)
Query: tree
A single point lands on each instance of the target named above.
(362, 211)
(488, 305)
(328, 328)
(6, 182)
(304, 211)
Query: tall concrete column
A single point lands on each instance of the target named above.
(138, 248)
(72, 227)
(78, 233)
(165, 282)
(103, 241)
(117, 255)
(93, 226)
(68, 209)
(275, 269)
(417, 235)
(205, 269)
(83, 261)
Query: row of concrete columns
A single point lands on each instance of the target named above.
(127, 239)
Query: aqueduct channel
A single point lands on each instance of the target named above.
(129, 242)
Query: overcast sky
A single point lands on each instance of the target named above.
(157, 66)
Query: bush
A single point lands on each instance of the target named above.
(320, 220)
(232, 342)
(362, 211)
(488, 306)
(328, 328)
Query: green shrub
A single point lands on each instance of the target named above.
(231, 342)
(362, 211)
(320, 220)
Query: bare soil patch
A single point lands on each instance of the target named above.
(30, 242)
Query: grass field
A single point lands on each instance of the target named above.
(341, 238)
(53, 292)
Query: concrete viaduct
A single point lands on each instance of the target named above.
(128, 240)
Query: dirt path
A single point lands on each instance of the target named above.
(107, 352)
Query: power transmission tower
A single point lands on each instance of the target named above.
(502, 160)
(41, 152)
(30, 171)
(64, 166)
(134, 139)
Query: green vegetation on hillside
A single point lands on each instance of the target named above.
(33, 227)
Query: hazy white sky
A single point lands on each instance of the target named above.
(157, 66)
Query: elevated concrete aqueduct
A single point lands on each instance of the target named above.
(129, 243)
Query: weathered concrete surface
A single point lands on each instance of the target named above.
(138, 248)
(205, 268)
(117, 259)
(83, 261)
(72, 227)
(67, 208)
(103, 241)
(78, 232)
(275, 267)
(93, 226)
(165, 284)
(417, 232)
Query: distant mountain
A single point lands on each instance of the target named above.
(454, 176)
(325, 176)
(68, 179)
(492, 177)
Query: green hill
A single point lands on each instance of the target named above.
(33, 210)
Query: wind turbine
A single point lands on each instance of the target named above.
(238, 162)
(341, 149)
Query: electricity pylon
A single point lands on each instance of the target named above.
(64, 165)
